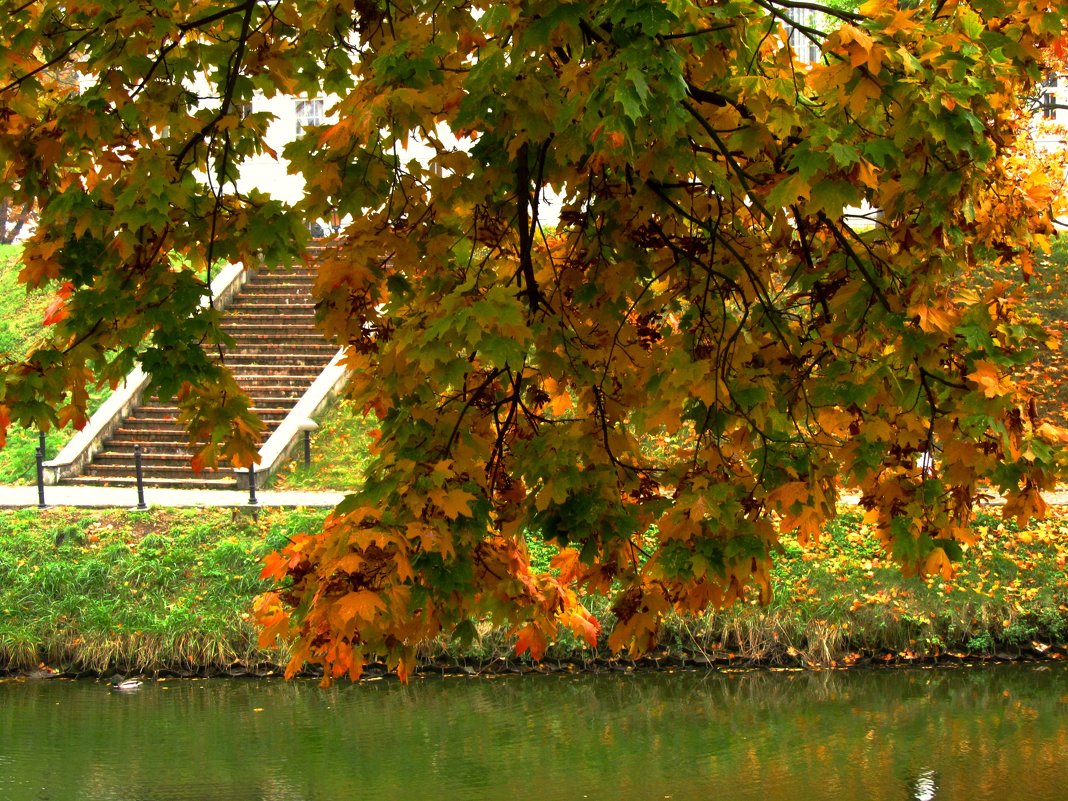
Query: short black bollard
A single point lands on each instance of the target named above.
(307, 426)
(40, 479)
(140, 478)
(252, 485)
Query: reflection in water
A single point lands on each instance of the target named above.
(945, 735)
(924, 787)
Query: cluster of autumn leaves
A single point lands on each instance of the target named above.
(657, 293)
(717, 339)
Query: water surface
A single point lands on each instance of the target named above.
(997, 733)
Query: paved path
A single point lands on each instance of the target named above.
(126, 497)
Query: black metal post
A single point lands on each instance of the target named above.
(42, 444)
(307, 448)
(252, 485)
(140, 478)
(40, 479)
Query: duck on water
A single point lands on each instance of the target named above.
(124, 685)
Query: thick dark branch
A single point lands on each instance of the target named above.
(161, 58)
(475, 395)
(845, 16)
(855, 258)
(233, 71)
(716, 99)
(743, 179)
(698, 32)
(526, 229)
(66, 52)
(210, 18)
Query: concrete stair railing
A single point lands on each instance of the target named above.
(278, 357)
(287, 437)
(79, 451)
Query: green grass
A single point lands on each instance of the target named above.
(842, 601)
(135, 591)
(171, 589)
(1045, 296)
(340, 453)
(20, 328)
(20, 312)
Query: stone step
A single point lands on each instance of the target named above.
(236, 359)
(280, 341)
(248, 341)
(301, 273)
(285, 286)
(273, 318)
(306, 373)
(148, 421)
(276, 341)
(149, 458)
(158, 483)
(243, 363)
(238, 308)
(158, 411)
(298, 312)
(127, 445)
(301, 311)
(248, 379)
(153, 471)
(270, 384)
(288, 364)
(273, 414)
(270, 328)
(160, 434)
(145, 435)
(256, 331)
(280, 359)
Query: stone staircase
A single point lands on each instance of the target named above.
(276, 355)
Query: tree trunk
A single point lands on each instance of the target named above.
(10, 228)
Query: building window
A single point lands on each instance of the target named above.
(806, 48)
(309, 112)
(1049, 106)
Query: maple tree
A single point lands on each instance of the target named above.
(759, 286)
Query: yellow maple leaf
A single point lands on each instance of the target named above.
(362, 604)
(454, 503)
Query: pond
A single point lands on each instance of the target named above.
(981, 733)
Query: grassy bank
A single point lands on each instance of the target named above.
(340, 453)
(172, 590)
(93, 590)
(21, 314)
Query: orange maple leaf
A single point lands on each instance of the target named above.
(987, 377)
(56, 311)
(531, 639)
(274, 566)
(568, 563)
(584, 625)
